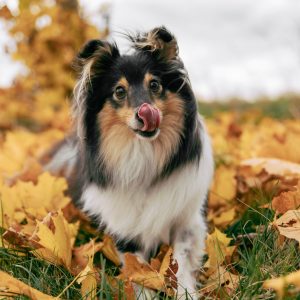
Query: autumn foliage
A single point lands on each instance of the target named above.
(253, 154)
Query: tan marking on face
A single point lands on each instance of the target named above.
(115, 133)
(148, 77)
(171, 128)
(123, 82)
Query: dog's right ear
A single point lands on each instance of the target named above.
(159, 41)
(98, 53)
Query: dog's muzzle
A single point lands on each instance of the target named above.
(148, 119)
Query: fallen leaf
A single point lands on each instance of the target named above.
(110, 251)
(141, 273)
(223, 188)
(32, 201)
(88, 277)
(56, 237)
(10, 286)
(221, 277)
(82, 254)
(273, 166)
(222, 219)
(286, 201)
(148, 275)
(217, 248)
(255, 176)
(279, 284)
(288, 224)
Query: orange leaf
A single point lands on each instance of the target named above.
(110, 251)
(286, 201)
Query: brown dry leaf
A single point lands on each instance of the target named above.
(217, 247)
(288, 224)
(110, 251)
(82, 254)
(142, 273)
(56, 237)
(279, 284)
(286, 201)
(10, 286)
(169, 269)
(221, 278)
(159, 275)
(88, 276)
(251, 174)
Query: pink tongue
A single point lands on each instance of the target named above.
(150, 117)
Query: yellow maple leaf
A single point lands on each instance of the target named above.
(55, 237)
(34, 200)
(217, 247)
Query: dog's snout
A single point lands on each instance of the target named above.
(148, 116)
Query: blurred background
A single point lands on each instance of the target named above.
(236, 52)
(231, 48)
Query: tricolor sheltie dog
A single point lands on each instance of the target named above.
(140, 161)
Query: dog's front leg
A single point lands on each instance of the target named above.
(188, 251)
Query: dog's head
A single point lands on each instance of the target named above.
(145, 95)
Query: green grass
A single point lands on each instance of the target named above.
(258, 258)
(260, 255)
(283, 107)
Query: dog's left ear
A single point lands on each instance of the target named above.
(158, 41)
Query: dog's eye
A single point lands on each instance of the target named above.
(154, 86)
(120, 92)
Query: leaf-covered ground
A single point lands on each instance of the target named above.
(48, 249)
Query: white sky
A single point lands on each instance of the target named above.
(231, 48)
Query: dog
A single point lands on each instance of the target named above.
(139, 160)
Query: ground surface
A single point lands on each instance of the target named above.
(252, 208)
